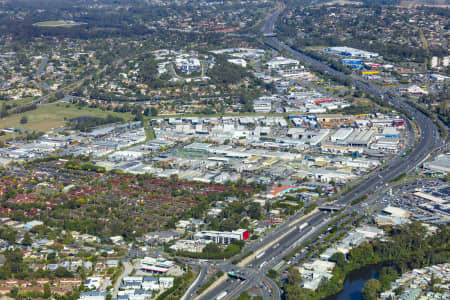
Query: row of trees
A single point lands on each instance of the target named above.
(212, 251)
(87, 123)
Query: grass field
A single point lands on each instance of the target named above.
(20, 101)
(60, 23)
(7, 136)
(53, 115)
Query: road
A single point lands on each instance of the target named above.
(127, 269)
(42, 66)
(200, 277)
(427, 142)
(254, 271)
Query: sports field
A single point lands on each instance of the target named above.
(60, 23)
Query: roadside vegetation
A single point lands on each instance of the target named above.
(210, 282)
(179, 287)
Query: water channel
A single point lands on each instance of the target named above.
(354, 283)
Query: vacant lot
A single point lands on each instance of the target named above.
(53, 115)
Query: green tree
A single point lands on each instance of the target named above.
(294, 277)
(63, 272)
(272, 274)
(371, 289)
(387, 275)
(211, 248)
(254, 210)
(14, 261)
(138, 115)
(295, 292)
(4, 111)
(47, 291)
(9, 235)
(339, 259)
(27, 239)
(24, 120)
(14, 292)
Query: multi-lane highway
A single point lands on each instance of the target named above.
(262, 261)
(428, 140)
(287, 235)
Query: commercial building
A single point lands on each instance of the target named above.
(223, 237)
(190, 245)
(315, 272)
(383, 220)
(189, 65)
(393, 216)
(391, 132)
(391, 145)
(238, 61)
(396, 212)
(93, 282)
(156, 265)
(280, 62)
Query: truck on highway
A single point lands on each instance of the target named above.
(303, 226)
(260, 254)
(221, 295)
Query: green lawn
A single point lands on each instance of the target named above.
(49, 116)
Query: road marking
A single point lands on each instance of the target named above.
(248, 259)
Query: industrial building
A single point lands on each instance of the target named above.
(353, 63)
(262, 105)
(352, 52)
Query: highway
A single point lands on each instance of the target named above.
(428, 140)
(254, 272)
